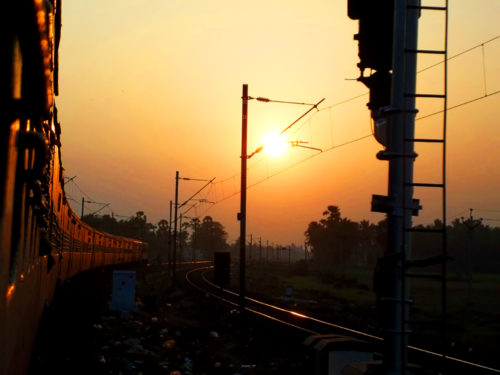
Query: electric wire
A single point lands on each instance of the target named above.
(80, 189)
(329, 107)
(293, 165)
(194, 195)
(267, 100)
(484, 69)
(458, 105)
(459, 54)
(236, 192)
(420, 71)
(360, 96)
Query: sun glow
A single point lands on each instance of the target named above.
(275, 145)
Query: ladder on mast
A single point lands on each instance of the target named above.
(442, 258)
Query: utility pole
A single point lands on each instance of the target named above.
(83, 205)
(251, 248)
(289, 254)
(243, 195)
(175, 225)
(194, 239)
(470, 224)
(267, 251)
(260, 249)
(179, 206)
(169, 250)
(181, 258)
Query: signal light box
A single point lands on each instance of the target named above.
(222, 262)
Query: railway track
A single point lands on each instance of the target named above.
(310, 325)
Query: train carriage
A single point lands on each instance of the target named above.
(42, 241)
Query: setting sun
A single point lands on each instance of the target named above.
(275, 145)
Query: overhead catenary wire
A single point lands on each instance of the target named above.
(89, 199)
(195, 194)
(267, 100)
(333, 148)
(366, 93)
(458, 105)
(80, 189)
(71, 199)
(315, 106)
(100, 209)
(193, 179)
(460, 53)
(291, 166)
(329, 107)
(420, 71)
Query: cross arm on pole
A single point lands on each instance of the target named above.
(309, 110)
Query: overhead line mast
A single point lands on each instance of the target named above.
(387, 39)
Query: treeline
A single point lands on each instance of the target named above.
(477, 247)
(201, 237)
(336, 241)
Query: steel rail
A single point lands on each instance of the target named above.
(246, 308)
(297, 314)
(306, 317)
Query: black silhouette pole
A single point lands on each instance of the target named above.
(471, 224)
(244, 156)
(169, 250)
(243, 196)
(175, 225)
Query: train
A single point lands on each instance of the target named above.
(43, 242)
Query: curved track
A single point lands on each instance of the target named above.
(197, 278)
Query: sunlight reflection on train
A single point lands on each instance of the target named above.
(10, 292)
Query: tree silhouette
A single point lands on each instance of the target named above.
(210, 236)
(335, 240)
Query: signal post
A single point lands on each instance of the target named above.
(388, 32)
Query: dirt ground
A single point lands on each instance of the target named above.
(175, 331)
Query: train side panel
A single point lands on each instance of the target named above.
(42, 241)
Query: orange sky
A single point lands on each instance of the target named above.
(151, 87)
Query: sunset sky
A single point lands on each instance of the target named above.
(154, 86)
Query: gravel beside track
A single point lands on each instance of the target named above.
(177, 330)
